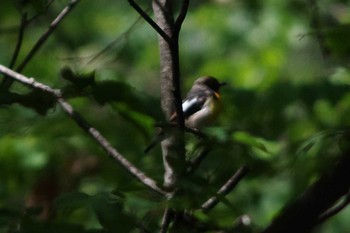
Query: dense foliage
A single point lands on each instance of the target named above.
(285, 112)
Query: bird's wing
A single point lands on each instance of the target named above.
(192, 105)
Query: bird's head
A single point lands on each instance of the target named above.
(211, 82)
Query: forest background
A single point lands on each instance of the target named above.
(285, 117)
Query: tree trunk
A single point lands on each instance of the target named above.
(173, 146)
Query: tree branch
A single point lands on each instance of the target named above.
(315, 200)
(82, 123)
(182, 15)
(335, 210)
(19, 40)
(168, 125)
(111, 45)
(150, 21)
(47, 33)
(7, 82)
(225, 189)
(41, 11)
(173, 147)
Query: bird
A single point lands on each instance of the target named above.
(201, 106)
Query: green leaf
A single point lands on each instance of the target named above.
(122, 93)
(248, 140)
(79, 81)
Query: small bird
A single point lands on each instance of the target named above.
(201, 106)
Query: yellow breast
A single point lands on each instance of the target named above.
(207, 115)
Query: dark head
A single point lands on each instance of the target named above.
(209, 81)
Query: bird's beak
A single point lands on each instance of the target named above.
(223, 84)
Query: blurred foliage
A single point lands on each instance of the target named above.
(286, 107)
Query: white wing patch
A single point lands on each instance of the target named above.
(187, 104)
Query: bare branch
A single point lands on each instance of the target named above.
(6, 84)
(7, 81)
(47, 33)
(182, 14)
(19, 40)
(168, 125)
(150, 21)
(335, 210)
(41, 11)
(94, 133)
(114, 42)
(14, 29)
(29, 81)
(226, 188)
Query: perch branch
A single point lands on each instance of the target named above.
(94, 133)
(168, 125)
(173, 146)
(226, 188)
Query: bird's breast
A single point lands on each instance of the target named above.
(207, 114)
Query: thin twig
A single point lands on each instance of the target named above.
(167, 217)
(182, 15)
(335, 210)
(43, 10)
(94, 133)
(6, 84)
(115, 42)
(150, 21)
(47, 33)
(225, 189)
(19, 40)
(7, 81)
